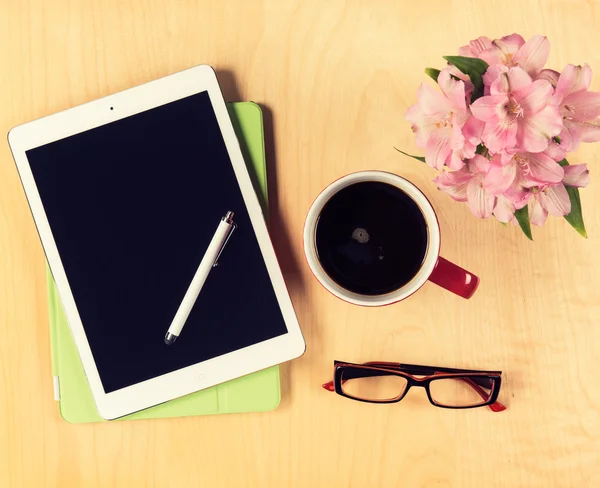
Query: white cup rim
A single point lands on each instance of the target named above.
(433, 241)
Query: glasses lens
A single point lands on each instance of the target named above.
(372, 385)
(461, 391)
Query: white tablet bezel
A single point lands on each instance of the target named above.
(109, 109)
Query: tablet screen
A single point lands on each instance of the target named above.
(133, 206)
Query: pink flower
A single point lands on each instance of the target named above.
(517, 113)
(502, 51)
(512, 51)
(503, 152)
(437, 119)
(524, 169)
(579, 108)
(466, 185)
(554, 199)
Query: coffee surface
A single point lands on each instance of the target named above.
(371, 238)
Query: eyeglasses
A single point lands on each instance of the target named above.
(381, 382)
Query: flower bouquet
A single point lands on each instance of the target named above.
(499, 128)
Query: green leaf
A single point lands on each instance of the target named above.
(522, 216)
(575, 218)
(418, 158)
(481, 150)
(433, 73)
(474, 68)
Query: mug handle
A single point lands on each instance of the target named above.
(454, 278)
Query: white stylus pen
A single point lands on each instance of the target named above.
(209, 261)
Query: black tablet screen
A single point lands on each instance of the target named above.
(132, 206)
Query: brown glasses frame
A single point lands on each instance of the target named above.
(420, 376)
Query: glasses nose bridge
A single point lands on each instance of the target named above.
(419, 382)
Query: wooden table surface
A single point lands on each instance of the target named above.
(335, 79)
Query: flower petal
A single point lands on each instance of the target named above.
(475, 47)
(493, 56)
(500, 177)
(432, 101)
(453, 89)
(454, 184)
(472, 130)
(457, 140)
(465, 51)
(581, 105)
(510, 44)
(555, 200)
(534, 133)
(454, 161)
(507, 154)
(421, 124)
(491, 75)
(490, 109)
(537, 214)
(533, 97)
(558, 151)
(570, 136)
(511, 81)
(533, 55)
(576, 175)
(468, 150)
(566, 141)
(502, 50)
(504, 210)
(518, 195)
(480, 201)
(437, 149)
(543, 170)
(500, 135)
(550, 75)
(454, 71)
(500, 86)
(479, 164)
(588, 131)
(573, 79)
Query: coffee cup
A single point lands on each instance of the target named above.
(372, 238)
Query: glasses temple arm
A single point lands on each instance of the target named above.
(363, 374)
(428, 370)
(494, 407)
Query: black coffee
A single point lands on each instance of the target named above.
(371, 238)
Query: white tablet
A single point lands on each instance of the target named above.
(126, 193)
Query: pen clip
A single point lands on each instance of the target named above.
(233, 227)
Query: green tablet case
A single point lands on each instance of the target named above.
(257, 392)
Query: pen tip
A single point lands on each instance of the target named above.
(170, 338)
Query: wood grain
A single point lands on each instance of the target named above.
(335, 79)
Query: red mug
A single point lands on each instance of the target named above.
(433, 268)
